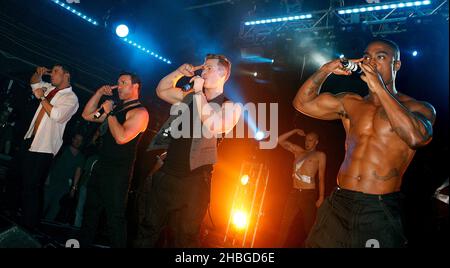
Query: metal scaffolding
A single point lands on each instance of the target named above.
(323, 23)
(249, 200)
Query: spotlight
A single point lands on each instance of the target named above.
(122, 30)
(244, 179)
(240, 219)
(259, 135)
(255, 74)
(415, 53)
(341, 56)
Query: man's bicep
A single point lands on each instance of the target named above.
(171, 95)
(291, 147)
(134, 124)
(427, 112)
(326, 106)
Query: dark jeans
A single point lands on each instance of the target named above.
(298, 217)
(35, 167)
(349, 219)
(107, 191)
(180, 202)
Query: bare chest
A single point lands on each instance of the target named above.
(368, 120)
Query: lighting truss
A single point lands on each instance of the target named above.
(249, 200)
(254, 33)
(379, 19)
(389, 18)
(279, 19)
(383, 6)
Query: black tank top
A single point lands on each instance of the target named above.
(178, 153)
(111, 151)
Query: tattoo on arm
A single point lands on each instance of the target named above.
(309, 92)
(311, 87)
(318, 78)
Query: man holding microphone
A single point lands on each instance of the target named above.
(181, 188)
(384, 129)
(42, 141)
(107, 188)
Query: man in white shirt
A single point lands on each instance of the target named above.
(58, 103)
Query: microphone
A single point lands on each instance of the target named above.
(188, 87)
(351, 66)
(100, 112)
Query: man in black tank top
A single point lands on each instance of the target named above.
(181, 188)
(109, 182)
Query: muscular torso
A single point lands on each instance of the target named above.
(375, 158)
(309, 168)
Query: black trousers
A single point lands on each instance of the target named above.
(34, 169)
(177, 202)
(298, 217)
(107, 191)
(349, 219)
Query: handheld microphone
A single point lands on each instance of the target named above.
(351, 66)
(188, 87)
(100, 112)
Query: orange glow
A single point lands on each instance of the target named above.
(240, 219)
(244, 179)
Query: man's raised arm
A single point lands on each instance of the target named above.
(324, 106)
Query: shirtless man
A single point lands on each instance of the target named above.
(383, 129)
(302, 200)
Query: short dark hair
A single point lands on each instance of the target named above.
(134, 79)
(222, 61)
(64, 67)
(390, 43)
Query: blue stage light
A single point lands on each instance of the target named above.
(281, 19)
(74, 11)
(369, 8)
(144, 49)
(122, 30)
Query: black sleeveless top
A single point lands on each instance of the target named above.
(111, 151)
(178, 153)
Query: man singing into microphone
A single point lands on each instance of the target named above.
(109, 182)
(181, 188)
(58, 103)
(384, 129)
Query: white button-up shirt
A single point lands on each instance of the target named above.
(49, 135)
